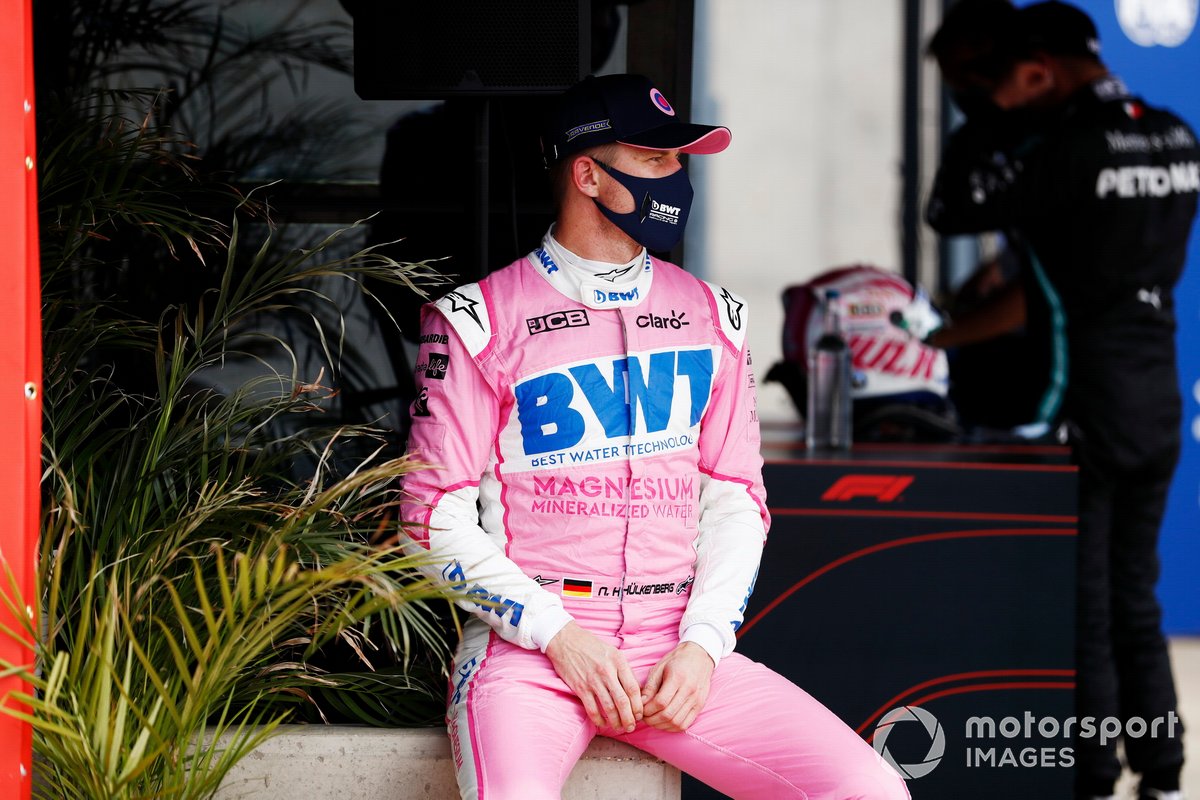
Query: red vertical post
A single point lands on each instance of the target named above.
(20, 368)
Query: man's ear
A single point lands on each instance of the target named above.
(584, 175)
(1030, 81)
(1039, 78)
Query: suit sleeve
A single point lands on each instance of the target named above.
(994, 174)
(733, 519)
(975, 186)
(454, 425)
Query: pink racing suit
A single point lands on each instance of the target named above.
(594, 444)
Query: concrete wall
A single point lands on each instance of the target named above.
(812, 92)
(337, 762)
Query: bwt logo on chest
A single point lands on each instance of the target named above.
(614, 398)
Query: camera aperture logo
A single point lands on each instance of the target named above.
(931, 729)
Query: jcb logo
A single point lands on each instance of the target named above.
(556, 320)
(884, 488)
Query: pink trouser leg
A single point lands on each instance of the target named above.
(517, 727)
(517, 730)
(760, 737)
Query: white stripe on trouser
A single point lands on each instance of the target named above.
(469, 658)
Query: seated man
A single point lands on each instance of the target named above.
(596, 489)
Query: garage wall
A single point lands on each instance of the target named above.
(812, 92)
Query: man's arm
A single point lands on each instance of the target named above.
(733, 505)
(976, 187)
(1002, 312)
(454, 423)
(732, 528)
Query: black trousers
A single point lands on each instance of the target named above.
(1122, 663)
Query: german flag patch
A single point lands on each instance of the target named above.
(576, 588)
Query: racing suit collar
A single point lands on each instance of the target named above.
(595, 284)
(1106, 89)
(1110, 87)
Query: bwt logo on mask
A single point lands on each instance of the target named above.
(616, 297)
(664, 213)
(621, 396)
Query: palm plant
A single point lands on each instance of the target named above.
(190, 577)
(219, 63)
(186, 578)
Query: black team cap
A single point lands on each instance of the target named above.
(627, 109)
(1059, 29)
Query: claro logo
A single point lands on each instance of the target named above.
(884, 488)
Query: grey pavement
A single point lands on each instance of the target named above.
(1185, 659)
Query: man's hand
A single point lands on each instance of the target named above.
(599, 676)
(677, 688)
(919, 318)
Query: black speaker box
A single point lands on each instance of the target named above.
(469, 48)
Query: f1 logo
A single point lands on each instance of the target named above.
(884, 488)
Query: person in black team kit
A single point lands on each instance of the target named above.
(1098, 189)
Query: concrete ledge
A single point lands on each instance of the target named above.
(343, 762)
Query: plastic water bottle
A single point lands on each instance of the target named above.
(828, 420)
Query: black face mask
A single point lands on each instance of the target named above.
(662, 208)
(975, 104)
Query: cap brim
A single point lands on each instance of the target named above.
(701, 140)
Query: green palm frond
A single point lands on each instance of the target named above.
(133, 704)
(106, 167)
(187, 578)
(209, 562)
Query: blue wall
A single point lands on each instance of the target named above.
(1169, 76)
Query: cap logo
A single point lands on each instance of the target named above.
(661, 103)
(590, 127)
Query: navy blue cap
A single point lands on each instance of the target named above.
(627, 109)
(1059, 29)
